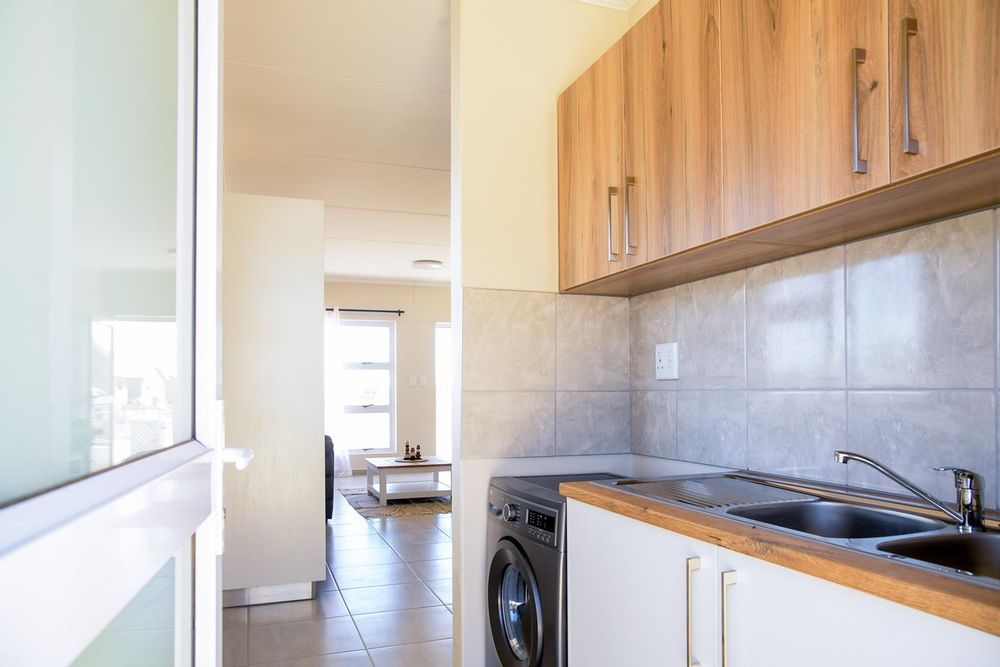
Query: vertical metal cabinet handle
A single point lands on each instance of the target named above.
(630, 247)
(612, 255)
(693, 565)
(858, 57)
(729, 577)
(910, 145)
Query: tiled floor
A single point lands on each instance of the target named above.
(386, 600)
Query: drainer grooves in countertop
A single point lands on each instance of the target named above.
(714, 492)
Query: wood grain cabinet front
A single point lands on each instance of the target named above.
(804, 105)
(945, 74)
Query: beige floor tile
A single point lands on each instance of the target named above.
(416, 537)
(389, 598)
(429, 654)
(442, 589)
(430, 551)
(373, 575)
(234, 646)
(404, 627)
(352, 528)
(351, 659)
(328, 584)
(328, 604)
(359, 557)
(348, 542)
(432, 569)
(302, 639)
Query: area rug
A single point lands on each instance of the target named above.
(368, 507)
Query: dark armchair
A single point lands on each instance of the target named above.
(329, 478)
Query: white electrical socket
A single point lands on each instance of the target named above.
(666, 361)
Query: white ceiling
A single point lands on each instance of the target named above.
(346, 101)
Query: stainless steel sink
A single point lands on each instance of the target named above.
(840, 520)
(976, 553)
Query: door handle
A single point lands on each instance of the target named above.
(630, 247)
(693, 565)
(729, 578)
(858, 57)
(910, 145)
(612, 195)
(238, 456)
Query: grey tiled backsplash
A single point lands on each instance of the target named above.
(887, 346)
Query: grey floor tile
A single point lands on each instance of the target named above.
(429, 654)
(404, 627)
(234, 646)
(328, 604)
(374, 599)
(442, 588)
(351, 659)
(428, 551)
(359, 557)
(373, 575)
(432, 569)
(302, 639)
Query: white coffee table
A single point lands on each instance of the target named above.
(386, 491)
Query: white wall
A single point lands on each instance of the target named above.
(424, 306)
(272, 369)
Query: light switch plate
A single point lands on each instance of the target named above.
(666, 361)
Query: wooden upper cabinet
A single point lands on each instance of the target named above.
(795, 93)
(672, 127)
(946, 56)
(591, 208)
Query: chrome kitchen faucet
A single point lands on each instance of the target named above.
(968, 484)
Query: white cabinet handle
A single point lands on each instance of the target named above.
(729, 578)
(693, 565)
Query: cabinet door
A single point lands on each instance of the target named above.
(590, 168)
(945, 100)
(628, 593)
(781, 618)
(672, 127)
(790, 76)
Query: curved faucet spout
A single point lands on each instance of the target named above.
(968, 519)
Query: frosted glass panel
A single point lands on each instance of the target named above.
(143, 633)
(95, 263)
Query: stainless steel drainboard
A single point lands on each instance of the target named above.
(713, 492)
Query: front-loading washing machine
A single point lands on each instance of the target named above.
(526, 580)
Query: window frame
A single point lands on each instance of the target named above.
(390, 366)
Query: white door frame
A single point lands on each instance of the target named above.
(73, 557)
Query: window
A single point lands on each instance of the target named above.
(364, 387)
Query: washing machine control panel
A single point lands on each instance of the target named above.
(536, 522)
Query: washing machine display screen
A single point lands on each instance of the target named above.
(541, 521)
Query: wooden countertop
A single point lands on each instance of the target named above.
(957, 600)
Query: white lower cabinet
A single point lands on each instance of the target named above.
(628, 605)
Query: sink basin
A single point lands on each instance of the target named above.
(833, 519)
(978, 553)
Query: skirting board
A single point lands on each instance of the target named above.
(244, 597)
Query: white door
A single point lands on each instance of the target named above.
(109, 471)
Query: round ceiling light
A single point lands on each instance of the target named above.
(428, 264)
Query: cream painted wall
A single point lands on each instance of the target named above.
(272, 374)
(510, 61)
(513, 60)
(424, 306)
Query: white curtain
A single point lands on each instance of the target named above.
(332, 382)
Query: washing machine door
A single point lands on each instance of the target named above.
(514, 606)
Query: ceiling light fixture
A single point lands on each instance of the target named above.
(428, 264)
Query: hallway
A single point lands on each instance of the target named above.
(386, 601)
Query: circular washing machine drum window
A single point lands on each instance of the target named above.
(515, 607)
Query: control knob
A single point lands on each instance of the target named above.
(509, 512)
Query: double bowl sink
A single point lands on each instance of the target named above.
(889, 533)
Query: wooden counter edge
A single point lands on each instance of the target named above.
(963, 602)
